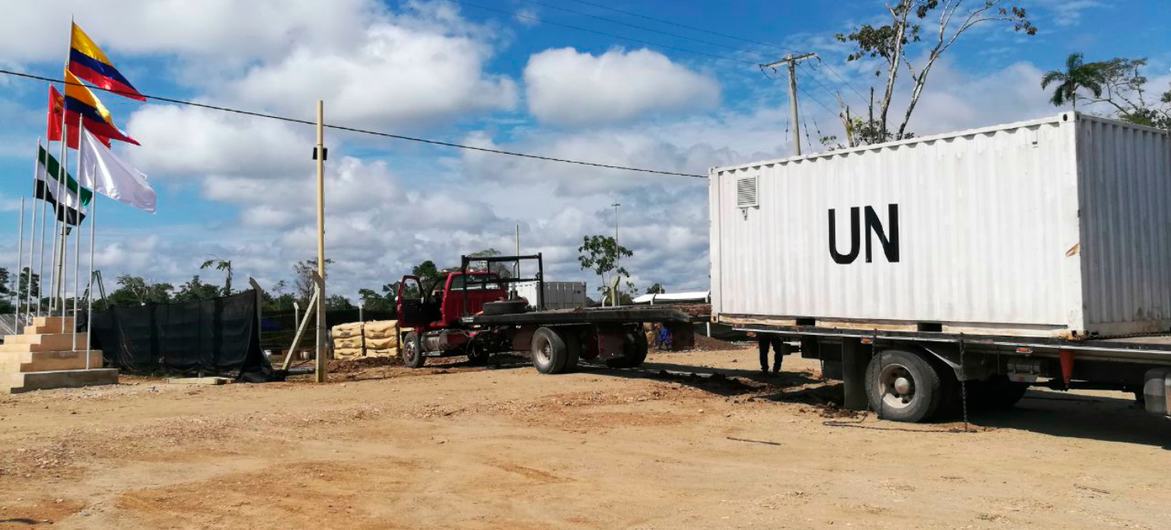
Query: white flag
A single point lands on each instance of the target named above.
(107, 174)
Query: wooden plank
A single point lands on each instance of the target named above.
(199, 381)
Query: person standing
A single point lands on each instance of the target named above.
(764, 340)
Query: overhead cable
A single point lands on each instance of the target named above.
(368, 131)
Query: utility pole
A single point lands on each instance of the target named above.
(617, 257)
(319, 155)
(791, 61)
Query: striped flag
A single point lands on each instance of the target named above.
(71, 207)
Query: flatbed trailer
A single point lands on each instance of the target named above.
(915, 376)
(473, 314)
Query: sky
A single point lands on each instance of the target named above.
(664, 85)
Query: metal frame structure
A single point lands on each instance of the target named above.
(465, 261)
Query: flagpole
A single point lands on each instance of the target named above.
(32, 242)
(41, 252)
(62, 175)
(77, 239)
(89, 307)
(19, 258)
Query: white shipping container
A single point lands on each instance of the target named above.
(1054, 227)
(558, 295)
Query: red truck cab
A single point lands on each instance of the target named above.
(442, 306)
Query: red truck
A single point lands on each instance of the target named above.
(473, 312)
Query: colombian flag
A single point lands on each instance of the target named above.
(87, 61)
(81, 104)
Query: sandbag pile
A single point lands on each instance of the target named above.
(347, 341)
(381, 338)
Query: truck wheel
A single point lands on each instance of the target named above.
(573, 346)
(549, 351)
(902, 386)
(634, 349)
(412, 351)
(996, 393)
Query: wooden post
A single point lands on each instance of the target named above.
(303, 323)
(320, 154)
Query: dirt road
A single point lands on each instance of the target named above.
(508, 448)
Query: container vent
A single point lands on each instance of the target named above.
(746, 192)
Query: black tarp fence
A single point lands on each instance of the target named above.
(218, 337)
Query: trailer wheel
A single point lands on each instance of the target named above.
(549, 351)
(412, 350)
(902, 386)
(634, 350)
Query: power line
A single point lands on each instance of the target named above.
(635, 26)
(365, 131)
(587, 30)
(676, 24)
(829, 69)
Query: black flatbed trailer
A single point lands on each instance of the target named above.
(912, 375)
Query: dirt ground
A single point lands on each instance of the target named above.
(505, 447)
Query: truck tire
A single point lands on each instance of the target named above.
(505, 307)
(995, 393)
(549, 351)
(412, 351)
(903, 386)
(634, 350)
(573, 345)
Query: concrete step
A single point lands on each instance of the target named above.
(48, 328)
(27, 381)
(53, 321)
(42, 342)
(29, 361)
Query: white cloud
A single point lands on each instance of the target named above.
(189, 141)
(415, 69)
(565, 86)
(219, 29)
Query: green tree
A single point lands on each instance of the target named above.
(373, 301)
(278, 298)
(224, 265)
(1078, 74)
(24, 284)
(915, 34)
(426, 271)
(1124, 87)
(135, 290)
(195, 290)
(655, 289)
(602, 254)
(338, 302)
(303, 278)
(6, 292)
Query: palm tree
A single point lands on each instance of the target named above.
(1078, 74)
(221, 265)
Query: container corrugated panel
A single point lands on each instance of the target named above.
(974, 231)
(1126, 225)
(558, 295)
